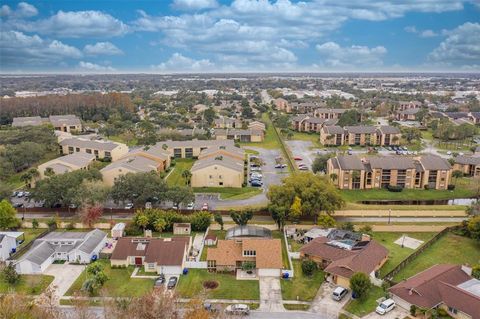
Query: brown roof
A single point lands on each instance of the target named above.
(437, 284)
(228, 252)
(467, 160)
(434, 162)
(319, 247)
(360, 129)
(349, 162)
(391, 162)
(160, 250)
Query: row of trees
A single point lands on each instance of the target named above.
(160, 220)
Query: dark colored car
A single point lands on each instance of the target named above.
(172, 282)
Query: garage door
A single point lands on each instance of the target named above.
(269, 272)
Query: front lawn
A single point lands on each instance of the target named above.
(119, 283)
(367, 305)
(181, 164)
(230, 193)
(191, 285)
(396, 252)
(465, 188)
(304, 287)
(450, 249)
(29, 284)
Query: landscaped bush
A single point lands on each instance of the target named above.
(200, 220)
(309, 267)
(451, 187)
(210, 284)
(394, 188)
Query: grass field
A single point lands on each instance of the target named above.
(465, 188)
(230, 192)
(191, 285)
(29, 284)
(175, 178)
(119, 283)
(300, 285)
(271, 140)
(279, 234)
(355, 206)
(296, 307)
(450, 249)
(367, 305)
(396, 252)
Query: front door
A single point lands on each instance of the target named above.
(138, 261)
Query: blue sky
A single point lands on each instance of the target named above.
(168, 36)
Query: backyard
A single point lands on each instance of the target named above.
(279, 234)
(367, 305)
(181, 164)
(450, 249)
(301, 286)
(118, 284)
(228, 287)
(28, 284)
(220, 235)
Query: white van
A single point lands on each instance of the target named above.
(385, 306)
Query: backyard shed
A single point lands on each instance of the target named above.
(118, 230)
(182, 228)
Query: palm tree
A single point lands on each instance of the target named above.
(27, 177)
(187, 175)
(160, 224)
(457, 174)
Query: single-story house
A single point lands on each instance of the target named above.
(316, 232)
(161, 255)
(78, 247)
(449, 287)
(8, 244)
(340, 259)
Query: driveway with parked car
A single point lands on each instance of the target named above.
(327, 303)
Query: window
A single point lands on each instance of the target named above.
(220, 183)
(452, 310)
(220, 176)
(211, 263)
(210, 176)
(151, 266)
(89, 151)
(108, 154)
(77, 149)
(249, 253)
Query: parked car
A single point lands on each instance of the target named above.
(26, 194)
(449, 153)
(255, 169)
(191, 206)
(349, 152)
(298, 158)
(238, 309)
(20, 194)
(255, 175)
(205, 206)
(303, 168)
(72, 206)
(172, 282)
(256, 183)
(160, 280)
(339, 293)
(128, 205)
(14, 194)
(280, 165)
(385, 306)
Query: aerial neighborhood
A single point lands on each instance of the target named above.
(280, 196)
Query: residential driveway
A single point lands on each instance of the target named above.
(394, 314)
(324, 304)
(270, 295)
(65, 275)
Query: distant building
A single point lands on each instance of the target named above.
(64, 123)
(282, 105)
(248, 135)
(191, 148)
(362, 135)
(468, 165)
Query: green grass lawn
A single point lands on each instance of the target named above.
(296, 307)
(271, 140)
(450, 248)
(302, 286)
(175, 178)
(279, 234)
(294, 245)
(230, 193)
(252, 152)
(119, 283)
(367, 305)
(29, 284)
(396, 252)
(30, 234)
(191, 285)
(465, 187)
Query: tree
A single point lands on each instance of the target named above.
(349, 117)
(241, 218)
(200, 220)
(209, 115)
(457, 174)
(333, 177)
(474, 227)
(195, 309)
(141, 220)
(476, 271)
(34, 223)
(309, 267)
(10, 274)
(139, 188)
(347, 226)
(474, 208)
(91, 193)
(326, 221)
(8, 215)
(29, 176)
(91, 214)
(160, 224)
(279, 215)
(320, 163)
(411, 133)
(367, 229)
(187, 176)
(248, 266)
(218, 219)
(5, 190)
(96, 280)
(360, 284)
(296, 208)
(317, 194)
(180, 195)
(49, 172)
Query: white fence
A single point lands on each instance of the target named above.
(196, 264)
(289, 271)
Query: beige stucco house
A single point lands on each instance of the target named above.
(66, 164)
(218, 171)
(107, 150)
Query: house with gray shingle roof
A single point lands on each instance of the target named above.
(75, 247)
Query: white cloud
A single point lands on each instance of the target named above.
(76, 24)
(92, 67)
(460, 48)
(24, 10)
(428, 34)
(180, 63)
(194, 4)
(410, 29)
(17, 48)
(355, 56)
(102, 48)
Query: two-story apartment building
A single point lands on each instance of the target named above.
(247, 135)
(310, 124)
(360, 135)
(218, 171)
(191, 148)
(328, 114)
(468, 165)
(64, 123)
(352, 172)
(332, 135)
(107, 150)
(65, 164)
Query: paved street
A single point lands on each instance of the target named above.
(288, 315)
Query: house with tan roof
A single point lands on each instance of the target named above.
(230, 254)
(449, 287)
(340, 259)
(102, 149)
(160, 255)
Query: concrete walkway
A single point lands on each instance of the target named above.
(270, 295)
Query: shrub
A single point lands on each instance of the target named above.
(10, 274)
(394, 188)
(451, 187)
(413, 310)
(70, 226)
(200, 220)
(34, 223)
(309, 267)
(426, 187)
(442, 312)
(210, 284)
(360, 284)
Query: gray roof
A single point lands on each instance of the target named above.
(57, 235)
(40, 251)
(433, 162)
(78, 159)
(299, 117)
(349, 162)
(360, 129)
(324, 110)
(391, 162)
(334, 129)
(85, 143)
(467, 160)
(195, 143)
(59, 168)
(225, 161)
(94, 238)
(155, 150)
(68, 119)
(231, 149)
(410, 111)
(316, 120)
(234, 131)
(248, 231)
(27, 121)
(387, 129)
(134, 163)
